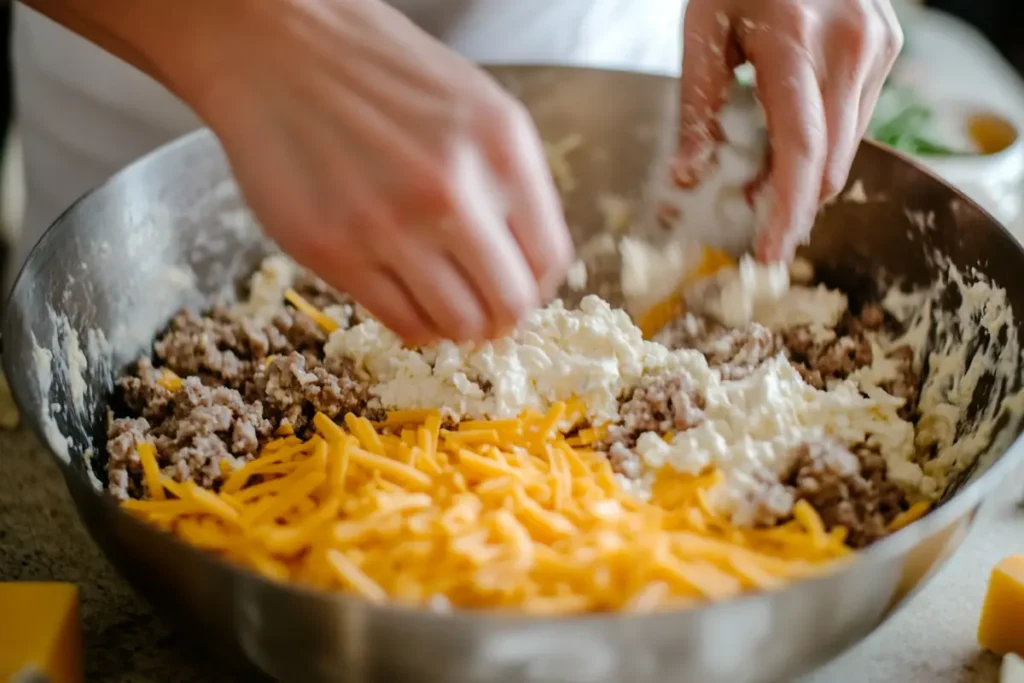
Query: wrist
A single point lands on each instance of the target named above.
(186, 43)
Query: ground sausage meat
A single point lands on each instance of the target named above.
(294, 388)
(203, 436)
(662, 403)
(143, 392)
(222, 346)
(735, 352)
(848, 489)
(241, 379)
(822, 356)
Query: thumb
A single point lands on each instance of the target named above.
(708, 63)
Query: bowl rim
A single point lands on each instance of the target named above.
(886, 550)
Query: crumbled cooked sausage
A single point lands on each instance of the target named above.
(735, 352)
(661, 403)
(222, 346)
(822, 355)
(124, 472)
(143, 393)
(208, 432)
(241, 379)
(294, 388)
(202, 346)
(848, 489)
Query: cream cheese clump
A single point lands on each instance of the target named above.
(734, 296)
(594, 353)
(267, 287)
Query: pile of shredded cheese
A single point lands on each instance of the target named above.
(496, 514)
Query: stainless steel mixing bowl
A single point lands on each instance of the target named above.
(125, 257)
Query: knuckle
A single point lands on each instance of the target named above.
(435, 193)
(893, 41)
(856, 32)
(833, 182)
(801, 20)
(807, 143)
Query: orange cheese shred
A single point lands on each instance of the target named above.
(494, 514)
(673, 307)
(325, 321)
(150, 470)
(909, 516)
(169, 381)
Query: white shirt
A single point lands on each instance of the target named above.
(83, 114)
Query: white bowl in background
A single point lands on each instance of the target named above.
(994, 175)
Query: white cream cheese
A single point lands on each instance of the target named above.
(594, 353)
(652, 272)
(735, 295)
(576, 277)
(717, 211)
(267, 287)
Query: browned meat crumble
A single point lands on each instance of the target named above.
(240, 382)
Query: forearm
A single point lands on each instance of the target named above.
(159, 37)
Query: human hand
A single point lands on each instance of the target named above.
(820, 68)
(396, 170)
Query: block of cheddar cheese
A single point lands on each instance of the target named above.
(1002, 616)
(40, 637)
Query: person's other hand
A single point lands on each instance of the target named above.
(392, 167)
(820, 68)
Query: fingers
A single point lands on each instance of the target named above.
(892, 44)
(495, 261)
(796, 128)
(439, 289)
(862, 49)
(707, 75)
(535, 216)
(850, 64)
(380, 291)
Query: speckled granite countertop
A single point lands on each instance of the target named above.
(931, 640)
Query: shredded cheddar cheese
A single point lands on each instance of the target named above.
(909, 516)
(673, 307)
(169, 381)
(495, 514)
(325, 321)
